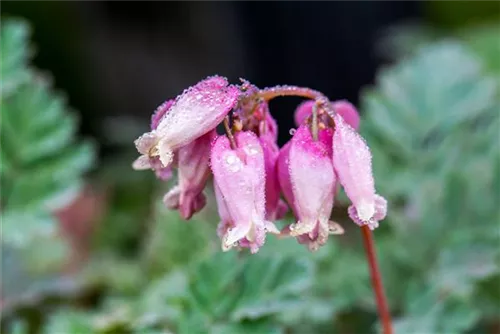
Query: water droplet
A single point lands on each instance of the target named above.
(233, 163)
(230, 159)
(251, 150)
(292, 132)
(199, 97)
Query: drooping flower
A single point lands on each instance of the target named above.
(239, 176)
(352, 163)
(313, 185)
(195, 112)
(193, 162)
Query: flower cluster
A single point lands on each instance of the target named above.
(251, 173)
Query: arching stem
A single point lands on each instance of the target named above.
(270, 93)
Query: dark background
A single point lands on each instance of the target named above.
(125, 58)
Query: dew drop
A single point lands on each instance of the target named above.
(251, 150)
(292, 132)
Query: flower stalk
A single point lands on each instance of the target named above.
(378, 288)
(229, 133)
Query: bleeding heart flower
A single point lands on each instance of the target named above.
(193, 162)
(239, 176)
(195, 112)
(352, 163)
(313, 185)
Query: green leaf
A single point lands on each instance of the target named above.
(275, 291)
(419, 109)
(69, 322)
(255, 327)
(164, 298)
(21, 228)
(215, 284)
(42, 164)
(14, 54)
(173, 241)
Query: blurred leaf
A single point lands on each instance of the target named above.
(69, 322)
(173, 241)
(164, 298)
(257, 327)
(20, 228)
(14, 54)
(274, 292)
(417, 105)
(43, 166)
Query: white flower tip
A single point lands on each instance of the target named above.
(270, 227)
(166, 154)
(141, 163)
(365, 211)
(234, 235)
(335, 228)
(302, 227)
(145, 142)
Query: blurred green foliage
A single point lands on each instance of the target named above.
(432, 121)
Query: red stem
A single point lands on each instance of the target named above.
(378, 287)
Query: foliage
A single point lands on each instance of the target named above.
(41, 169)
(42, 163)
(432, 122)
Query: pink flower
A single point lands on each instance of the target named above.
(341, 107)
(303, 111)
(352, 163)
(283, 173)
(195, 112)
(348, 112)
(313, 185)
(193, 173)
(269, 127)
(239, 177)
(275, 207)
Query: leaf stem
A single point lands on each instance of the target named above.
(378, 288)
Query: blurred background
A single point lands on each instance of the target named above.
(87, 246)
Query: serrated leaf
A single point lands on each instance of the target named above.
(275, 291)
(42, 164)
(14, 54)
(163, 299)
(419, 110)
